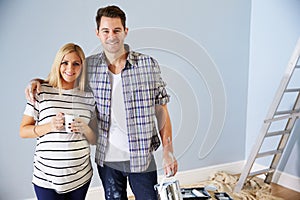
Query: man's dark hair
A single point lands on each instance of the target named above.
(112, 12)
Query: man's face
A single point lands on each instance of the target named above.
(112, 34)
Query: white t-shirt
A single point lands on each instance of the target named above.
(118, 145)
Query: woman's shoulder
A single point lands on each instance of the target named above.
(45, 87)
(84, 93)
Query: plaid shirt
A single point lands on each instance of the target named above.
(143, 88)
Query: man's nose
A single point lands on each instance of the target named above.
(112, 34)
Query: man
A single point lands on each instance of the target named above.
(130, 96)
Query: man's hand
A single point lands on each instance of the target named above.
(32, 89)
(169, 163)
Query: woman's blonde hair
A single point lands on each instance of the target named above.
(55, 79)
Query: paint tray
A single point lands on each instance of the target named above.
(194, 193)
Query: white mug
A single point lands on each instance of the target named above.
(69, 118)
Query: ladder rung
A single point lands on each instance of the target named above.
(293, 90)
(263, 171)
(269, 153)
(294, 113)
(275, 133)
(297, 66)
(278, 118)
(284, 112)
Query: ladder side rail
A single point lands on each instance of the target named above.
(252, 157)
(282, 144)
(283, 141)
(264, 129)
(266, 125)
(291, 122)
(284, 81)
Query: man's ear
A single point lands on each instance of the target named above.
(97, 32)
(126, 31)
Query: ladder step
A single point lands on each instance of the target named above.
(275, 133)
(293, 90)
(284, 115)
(297, 66)
(269, 153)
(263, 171)
(278, 118)
(284, 112)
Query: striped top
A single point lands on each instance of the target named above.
(61, 159)
(143, 89)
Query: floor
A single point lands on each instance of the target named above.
(278, 191)
(285, 193)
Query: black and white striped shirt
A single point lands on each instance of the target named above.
(61, 159)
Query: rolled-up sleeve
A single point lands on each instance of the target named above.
(161, 95)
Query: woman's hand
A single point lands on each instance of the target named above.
(57, 122)
(81, 127)
(78, 125)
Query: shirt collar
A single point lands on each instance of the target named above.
(131, 60)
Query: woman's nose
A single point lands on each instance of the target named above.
(70, 67)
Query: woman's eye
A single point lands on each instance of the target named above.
(64, 63)
(76, 64)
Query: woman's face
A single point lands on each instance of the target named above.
(70, 69)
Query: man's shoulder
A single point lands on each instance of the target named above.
(137, 57)
(94, 57)
(95, 60)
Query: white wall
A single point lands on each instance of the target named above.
(203, 47)
(275, 29)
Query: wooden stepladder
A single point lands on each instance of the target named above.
(276, 114)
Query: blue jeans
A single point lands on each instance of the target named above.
(50, 194)
(114, 180)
